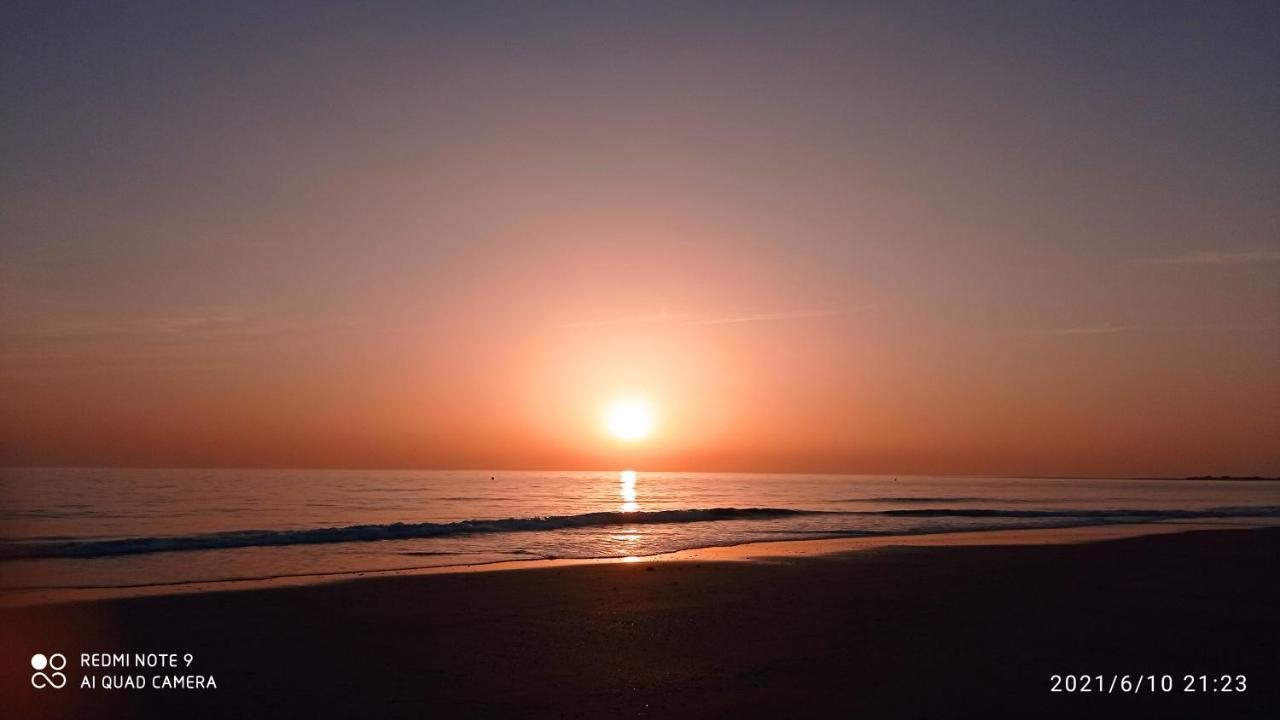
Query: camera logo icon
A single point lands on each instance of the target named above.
(55, 678)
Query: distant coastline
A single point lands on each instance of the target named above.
(1230, 477)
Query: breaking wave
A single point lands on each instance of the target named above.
(409, 531)
(367, 533)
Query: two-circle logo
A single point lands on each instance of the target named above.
(55, 678)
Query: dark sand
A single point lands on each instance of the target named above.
(896, 632)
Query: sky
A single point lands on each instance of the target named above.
(902, 237)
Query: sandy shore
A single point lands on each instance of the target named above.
(929, 630)
(749, 552)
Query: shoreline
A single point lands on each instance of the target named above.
(901, 631)
(759, 551)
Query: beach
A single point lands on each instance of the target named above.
(961, 626)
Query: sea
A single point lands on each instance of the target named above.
(142, 529)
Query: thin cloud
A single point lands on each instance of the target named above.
(663, 316)
(672, 319)
(1218, 257)
(769, 316)
(211, 324)
(1090, 330)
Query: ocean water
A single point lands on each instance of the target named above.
(113, 528)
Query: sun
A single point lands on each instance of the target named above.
(629, 420)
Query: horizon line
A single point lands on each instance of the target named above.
(341, 468)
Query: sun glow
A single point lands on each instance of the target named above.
(629, 420)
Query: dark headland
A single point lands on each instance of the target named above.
(1232, 477)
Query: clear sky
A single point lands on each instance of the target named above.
(1007, 238)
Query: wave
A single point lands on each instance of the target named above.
(916, 499)
(410, 531)
(368, 533)
(1143, 514)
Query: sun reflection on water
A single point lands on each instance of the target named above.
(627, 539)
(627, 489)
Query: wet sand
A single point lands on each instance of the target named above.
(749, 552)
(930, 630)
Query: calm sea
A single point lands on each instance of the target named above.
(111, 528)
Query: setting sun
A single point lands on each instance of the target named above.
(629, 420)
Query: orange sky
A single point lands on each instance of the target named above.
(815, 240)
